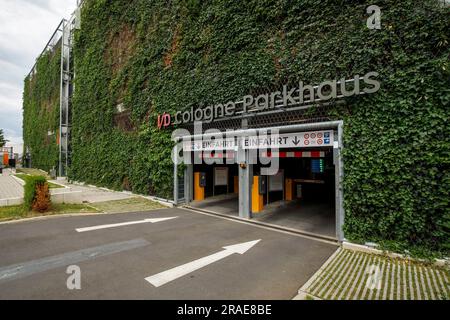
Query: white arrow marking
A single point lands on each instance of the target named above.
(164, 277)
(106, 226)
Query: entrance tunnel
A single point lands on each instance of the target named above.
(300, 195)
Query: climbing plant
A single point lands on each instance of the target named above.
(137, 59)
(41, 110)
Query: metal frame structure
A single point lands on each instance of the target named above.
(64, 99)
(63, 35)
(246, 168)
(51, 44)
(66, 88)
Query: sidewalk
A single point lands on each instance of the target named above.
(89, 194)
(11, 192)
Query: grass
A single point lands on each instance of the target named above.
(134, 204)
(51, 185)
(346, 277)
(19, 212)
(34, 172)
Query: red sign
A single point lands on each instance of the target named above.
(164, 120)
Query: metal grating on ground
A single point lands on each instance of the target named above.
(352, 275)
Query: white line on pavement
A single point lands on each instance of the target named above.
(114, 225)
(164, 277)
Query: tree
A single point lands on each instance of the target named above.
(3, 141)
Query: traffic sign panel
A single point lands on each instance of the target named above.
(289, 140)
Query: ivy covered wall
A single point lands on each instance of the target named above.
(41, 111)
(137, 59)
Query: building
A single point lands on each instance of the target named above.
(6, 155)
(354, 98)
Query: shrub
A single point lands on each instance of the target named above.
(34, 186)
(41, 201)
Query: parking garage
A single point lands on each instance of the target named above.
(290, 179)
(282, 152)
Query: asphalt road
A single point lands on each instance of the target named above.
(114, 262)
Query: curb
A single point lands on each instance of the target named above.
(302, 293)
(59, 184)
(371, 250)
(18, 180)
(10, 202)
(160, 201)
(65, 215)
(51, 217)
(22, 183)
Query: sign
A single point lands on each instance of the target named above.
(209, 144)
(167, 276)
(317, 166)
(288, 96)
(220, 176)
(276, 182)
(290, 140)
(164, 120)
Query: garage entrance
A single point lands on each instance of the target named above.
(301, 195)
(216, 185)
(301, 192)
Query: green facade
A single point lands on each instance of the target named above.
(150, 57)
(41, 110)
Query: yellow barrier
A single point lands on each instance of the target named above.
(199, 192)
(257, 199)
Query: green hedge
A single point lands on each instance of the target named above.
(30, 189)
(163, 56)
(41, 111)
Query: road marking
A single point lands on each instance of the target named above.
(24, 269)
(114, 225)
(258, 224)
(167, 276)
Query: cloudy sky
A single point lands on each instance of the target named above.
(25, 28)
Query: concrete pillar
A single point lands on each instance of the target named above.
(175, 179)
(245, 191)
(245, 183)
(339, 192)
(188, 183)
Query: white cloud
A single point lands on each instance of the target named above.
(25, 28)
